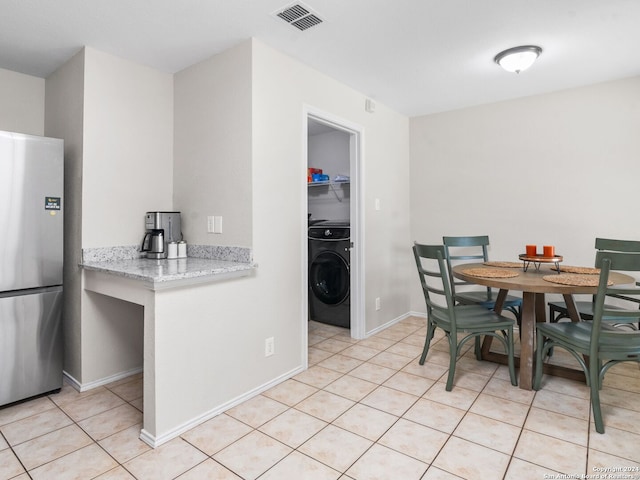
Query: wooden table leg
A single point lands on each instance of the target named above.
(533, 311)
(571, 308)
(502, 296)
(527, 339)
(541, 308)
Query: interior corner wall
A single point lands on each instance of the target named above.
(260, 133)
(213, 147)
(127, 170)
(63, 119)
(555, 169)
(21, 103)
(213, 175)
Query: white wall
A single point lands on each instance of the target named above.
(281, 89)
(64, 119)
(213, 147)
(234, 318)
(117, 121)
(21, 103)
(559, 169)
(128, 148)
(127, 170)
(213, 176)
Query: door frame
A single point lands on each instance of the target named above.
(356, 155)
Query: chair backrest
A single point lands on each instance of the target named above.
(432, 270)
(623, 262)
(465, 250)
(612, 245)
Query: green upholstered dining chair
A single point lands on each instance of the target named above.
(474, 249)
(470, 321)
(605, 344)
(559, 311)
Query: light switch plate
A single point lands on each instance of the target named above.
(217, 224)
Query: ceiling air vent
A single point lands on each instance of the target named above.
(298, 15)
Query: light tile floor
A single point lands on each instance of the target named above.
(363, 410)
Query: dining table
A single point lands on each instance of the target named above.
(531, 282)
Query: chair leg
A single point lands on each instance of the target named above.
(556, 315)
(594, 377)
(453, 355)
(427, 341)
(517, 312)
(477, 348)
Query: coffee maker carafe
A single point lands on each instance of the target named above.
(161, 228)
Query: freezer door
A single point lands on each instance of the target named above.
(31, 214)
(30, 344)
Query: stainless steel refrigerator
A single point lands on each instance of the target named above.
(31, 234)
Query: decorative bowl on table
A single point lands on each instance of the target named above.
(538, 259)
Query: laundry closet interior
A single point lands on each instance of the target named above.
(329, 224)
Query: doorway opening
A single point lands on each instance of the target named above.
(332, 247)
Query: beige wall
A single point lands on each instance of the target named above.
(282, 88)
(213, 147)
(64, 119)
(558, 169)
(21, 103)
(234, 318)
(117, 121)
(128, 148)
(127, 170)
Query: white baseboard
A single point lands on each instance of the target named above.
(155, 441)
(390, 323)
(83, 387)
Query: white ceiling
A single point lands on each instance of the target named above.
(415, 56)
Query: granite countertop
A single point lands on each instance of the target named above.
(158, 274)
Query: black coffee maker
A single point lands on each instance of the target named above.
(161, 229)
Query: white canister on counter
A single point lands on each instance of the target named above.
(172, 250)
(182, 249)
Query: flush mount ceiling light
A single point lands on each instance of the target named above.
(518, 59)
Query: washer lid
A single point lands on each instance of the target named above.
(315, 221)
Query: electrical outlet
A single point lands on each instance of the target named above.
(377, 303)
(269, 347)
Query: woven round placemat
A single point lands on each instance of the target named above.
(504, 264)
(575, 279)
(582, 270)
(490, 272)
